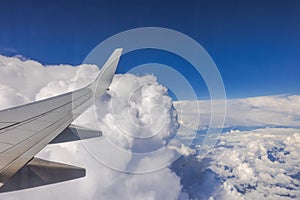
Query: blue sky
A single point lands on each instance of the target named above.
(255, 44)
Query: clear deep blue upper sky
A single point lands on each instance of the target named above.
(255, 44)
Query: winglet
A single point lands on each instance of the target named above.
(106, 74)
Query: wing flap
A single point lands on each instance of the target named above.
(4, 124)
(39, 172)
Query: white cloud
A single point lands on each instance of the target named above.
(281, 110)
(257, 164)
(29, 77)
(10, 97)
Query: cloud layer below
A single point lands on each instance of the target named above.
(257, 163)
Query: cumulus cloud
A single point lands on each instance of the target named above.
(263, 163)
(10, 97)
(31, 79)
(257, 164)
(138, 108)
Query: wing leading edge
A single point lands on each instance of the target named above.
(27, 129)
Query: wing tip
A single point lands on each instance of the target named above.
(106, 73)
(118, 50)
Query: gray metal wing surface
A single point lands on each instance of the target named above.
(27, 129)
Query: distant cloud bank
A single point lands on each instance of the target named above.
(280, 110)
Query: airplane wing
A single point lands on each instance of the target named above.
(27, 129)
